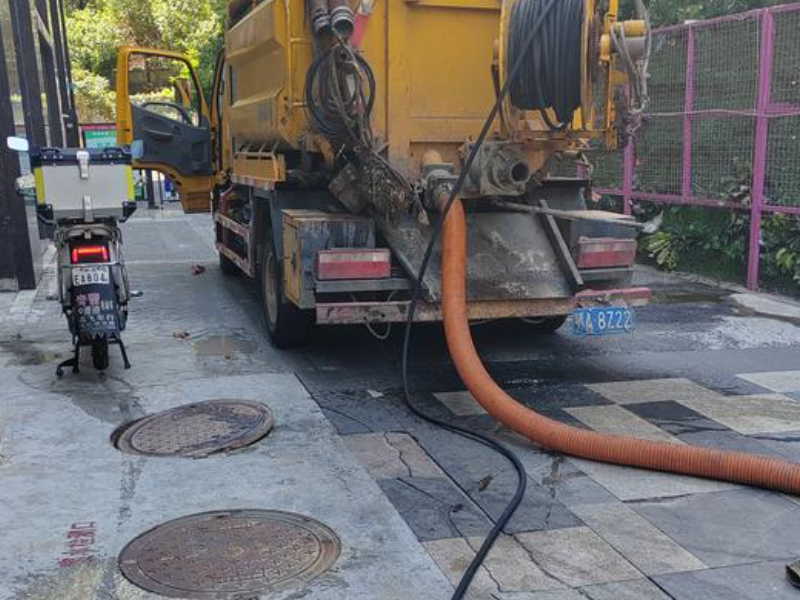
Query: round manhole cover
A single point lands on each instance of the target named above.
(196, 430)
(229, 554)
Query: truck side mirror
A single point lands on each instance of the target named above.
(18, 144)
(137, 149)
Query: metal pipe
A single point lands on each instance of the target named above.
(570, 215)
(320, 16)
(342, 18)
(737, 467)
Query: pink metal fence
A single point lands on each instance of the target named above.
(723, 129)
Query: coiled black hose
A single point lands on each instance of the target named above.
(551, 75)
(340, 95)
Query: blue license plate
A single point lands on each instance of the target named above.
(602, 321)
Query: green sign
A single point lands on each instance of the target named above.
(99, 138)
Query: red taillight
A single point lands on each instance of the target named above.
(354, 263)
(89, 254)
(598, 253)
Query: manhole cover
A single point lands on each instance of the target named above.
(229, 554)
(196, 430)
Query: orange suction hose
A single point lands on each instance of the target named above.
(737, 467)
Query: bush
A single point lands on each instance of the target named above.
(94, 97)
(715, 242)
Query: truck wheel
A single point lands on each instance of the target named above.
(227, 266)
(288, 326)
(546, 325)
(100, 354)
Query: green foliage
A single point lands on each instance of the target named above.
(670, 12)
(666, 248)
(780, 259)
(693, 237)
(715, 242)
(93, 97)
(96, 28)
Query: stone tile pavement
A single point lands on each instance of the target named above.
(589, 530)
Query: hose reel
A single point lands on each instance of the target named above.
(551, 79)
(565, 62)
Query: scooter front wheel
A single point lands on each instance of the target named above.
(100, 354)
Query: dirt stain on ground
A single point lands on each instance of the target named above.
(27, 354)
(74, 583)
(683, 297)
(224, 345)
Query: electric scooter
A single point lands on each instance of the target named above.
(84, 195)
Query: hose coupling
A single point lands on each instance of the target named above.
(342, 18)
(439, 179)
(500, 169)
(320, 16)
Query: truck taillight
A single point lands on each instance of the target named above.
(599, 253)
(89, 254)
(354, 263)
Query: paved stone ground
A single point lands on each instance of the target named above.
(705, 367)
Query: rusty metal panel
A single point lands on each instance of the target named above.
(351, 313)
(348, 313)
(306, 232)
(263, 169)
(510, 257)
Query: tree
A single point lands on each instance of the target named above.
(97, 27)
(671, 12)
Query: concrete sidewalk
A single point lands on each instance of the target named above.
(59, 470)
(704, 367)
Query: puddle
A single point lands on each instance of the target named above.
(26, 354)
(679, 297)
(224, 345)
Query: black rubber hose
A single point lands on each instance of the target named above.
(551, 75)
(340, 112)
(522, 476)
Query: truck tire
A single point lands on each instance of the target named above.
(227, 266)
(287, 325)
(546, 325)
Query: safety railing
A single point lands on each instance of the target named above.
(723, 127)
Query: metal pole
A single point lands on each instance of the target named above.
(21, 19)
(71, 125)
(688, 107)
(629, 166)
(16, 255)
(150, 189)
(761, 146)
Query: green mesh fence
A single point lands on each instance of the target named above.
(722, 158)
(659, 156)
(668, 72)
(786, 62)
(782, 184)
(726, 65)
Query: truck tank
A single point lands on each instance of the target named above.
(431, 61)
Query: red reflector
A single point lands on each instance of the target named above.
(89, 254)
(354, 263)
(597, 253)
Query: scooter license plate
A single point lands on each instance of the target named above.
(89, 275)
(602, 321)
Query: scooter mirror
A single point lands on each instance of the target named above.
(18, 144)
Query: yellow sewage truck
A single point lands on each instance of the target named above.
(334, 126)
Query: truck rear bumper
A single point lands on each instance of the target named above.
(351, 313)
